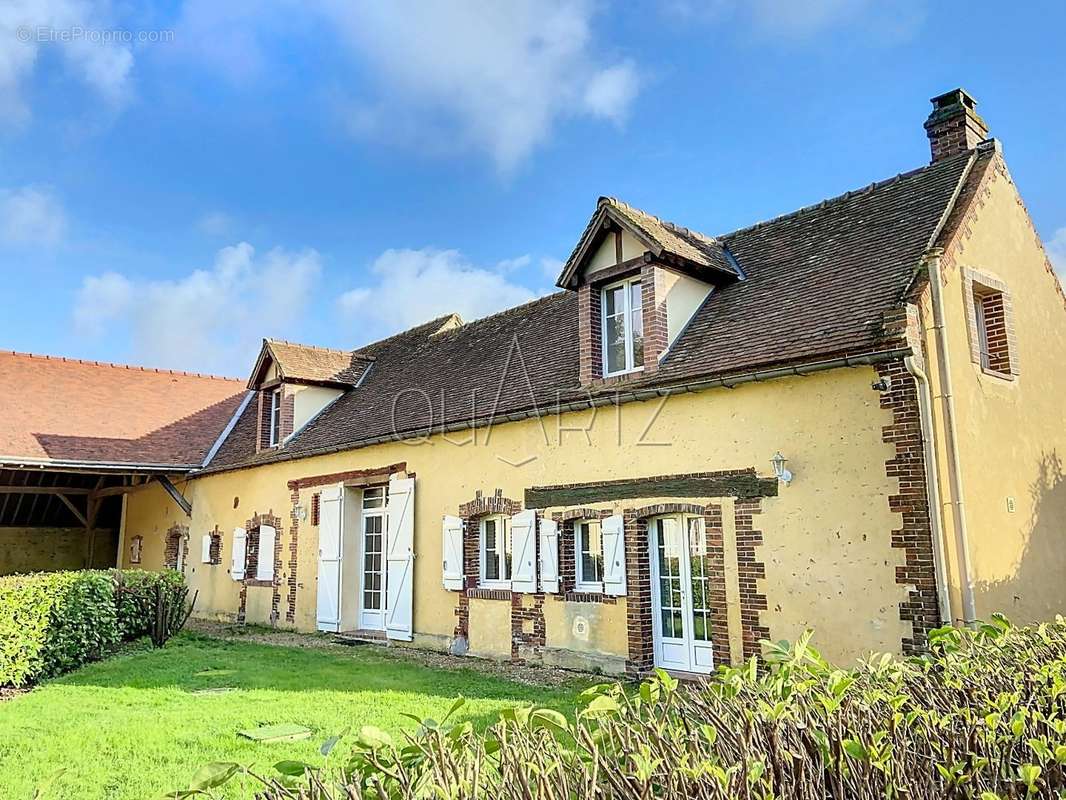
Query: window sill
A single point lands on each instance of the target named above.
(588, 588)
(257, 582)
(488, 593)
(993, 373)
(622, 373)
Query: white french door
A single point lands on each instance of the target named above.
(681, 567)
(372, 605)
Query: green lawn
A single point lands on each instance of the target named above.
(141, 723)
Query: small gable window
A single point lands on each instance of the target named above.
(992, 340)
(623, 327)
(495, 552)
(275, 417)
(588, 556)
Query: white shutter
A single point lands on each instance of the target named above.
(549, 555)
(452, 550)
(264, 570)
(399, 560)
(524, 552)
(614, 556)
(330, 515)
(205, 549)
(240, 539)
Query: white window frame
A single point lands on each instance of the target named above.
(595, 587)
(275, 416)
(504, 581)
(627, 283)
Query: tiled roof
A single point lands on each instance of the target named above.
(658, 234)
(301, 362)
(817, 284)
(58, 409)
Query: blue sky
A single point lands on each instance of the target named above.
(331, 172)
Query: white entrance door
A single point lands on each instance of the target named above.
(372, 572)
(330, 551)
(680, 585)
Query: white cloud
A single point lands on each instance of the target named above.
(31, 215)
(415, 286)
(1056, 250)
(494, 77)
(104, 66)
(551, 267)
(213, 317)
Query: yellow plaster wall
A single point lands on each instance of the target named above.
(1012, 433)
(828, 559)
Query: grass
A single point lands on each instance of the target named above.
(141, 723)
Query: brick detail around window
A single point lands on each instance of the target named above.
(749, 572)
(716, 587)
(914, 537)
(294, 550)
(653, 300)
(980, 288)
(215, 550)
(288, 412)
(176, 541)
(262, 425)
(669, 508)
(251, 562)
(471, 513)
(568, 556)
(527, 625)
(641, 657)
(589, 333)
(316, 508)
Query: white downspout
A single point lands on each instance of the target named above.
(962, 544)
(932, 487)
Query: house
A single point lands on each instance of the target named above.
(846, 418)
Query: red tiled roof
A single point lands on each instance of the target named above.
(59, 409)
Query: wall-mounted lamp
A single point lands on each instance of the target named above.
(778, 462)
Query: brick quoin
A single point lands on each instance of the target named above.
(749, 572)
(907, 466)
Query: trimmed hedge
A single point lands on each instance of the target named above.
(53, 622)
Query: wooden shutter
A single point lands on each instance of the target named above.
(549, 555)
(329, 558)
(205, 549)
(264, 570)
(524, 552)
(240, 541)
(452, 550)
(614, 556)
(399, 561)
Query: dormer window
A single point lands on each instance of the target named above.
(275, 417)
(623, 327)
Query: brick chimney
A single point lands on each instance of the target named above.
(954, 125)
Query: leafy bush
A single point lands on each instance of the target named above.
(52, 622)
(136, 593)
(982, 716)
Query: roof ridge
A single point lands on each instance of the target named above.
(670, 226)
(441, 319)
(116, 365)
(505, 311)
(337, 350)
(874, 186)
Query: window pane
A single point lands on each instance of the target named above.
(615, 337)
(374, 498)
(506, 552)
(637, 314)
(614, 301)
(590, 544)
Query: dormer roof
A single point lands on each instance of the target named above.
(704, 256)
(302, 363)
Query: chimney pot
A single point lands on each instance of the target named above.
(954, 126)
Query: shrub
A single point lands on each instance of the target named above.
(135, 598)
(983, 715)
(52, 622)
